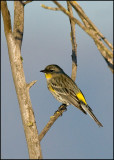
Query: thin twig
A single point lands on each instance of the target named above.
(82, 26)
(50, 8)
(74, 45)
(29, 85)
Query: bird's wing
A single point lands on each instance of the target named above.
(67, 94)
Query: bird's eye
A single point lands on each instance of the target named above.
(51, 70)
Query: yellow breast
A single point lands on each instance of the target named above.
(48, 75)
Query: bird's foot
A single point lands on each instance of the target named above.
(61, 108)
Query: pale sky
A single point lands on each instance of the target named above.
(46, 41)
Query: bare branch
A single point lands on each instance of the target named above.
(50, 8)
(74, 45)
(29, 85)
(83, 16)
(53, 118)
(106, 52)
(23, 96)
(95, 31)
(18, 22)
(6, 18)
(22, 91)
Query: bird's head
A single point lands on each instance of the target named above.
(52, 70)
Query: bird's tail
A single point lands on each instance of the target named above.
(89, 111)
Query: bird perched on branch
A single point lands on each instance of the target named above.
(65, 90)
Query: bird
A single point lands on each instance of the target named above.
(65, 90)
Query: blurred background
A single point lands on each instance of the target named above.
(47, 41)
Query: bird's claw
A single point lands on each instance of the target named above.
(62, 107)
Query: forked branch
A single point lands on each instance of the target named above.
(84, 17)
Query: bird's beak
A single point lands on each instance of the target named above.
(43, 71)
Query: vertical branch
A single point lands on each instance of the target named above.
(14, 41)
(18, 22)
(74, 45)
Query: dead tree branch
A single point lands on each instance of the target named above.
(84, 17)
(106, 53)
(14, 41)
